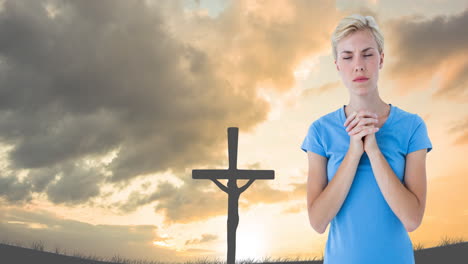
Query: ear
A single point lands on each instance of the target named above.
(381, 60)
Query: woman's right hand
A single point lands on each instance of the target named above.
(358, 125)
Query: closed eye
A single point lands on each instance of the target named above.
(351, 57)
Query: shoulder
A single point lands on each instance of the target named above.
(410, 126)
(406, 118)
(327, 121)
(415, 130)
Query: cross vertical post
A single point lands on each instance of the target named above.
(232, 174)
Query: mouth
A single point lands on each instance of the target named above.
(360, 80)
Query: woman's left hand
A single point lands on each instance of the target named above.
(370, 143)
(355, 125)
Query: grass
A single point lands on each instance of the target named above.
(418, 246)
(39, 246)
(264, 260)
(447, 241)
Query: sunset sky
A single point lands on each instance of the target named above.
(106, 107)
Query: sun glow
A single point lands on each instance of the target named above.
(162, 242)
(307, 67)
(250, 244)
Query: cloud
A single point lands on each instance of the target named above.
(423, 47)
(130, 241)
(294, 209)
(192, 201)
(184, 204)
(205, 238)
(324, 88)
(460, 128)
(75, 184)
(261, 192)
(257, 44)
(14, 190)
(69, 183)
(97, 78)
(82, 80)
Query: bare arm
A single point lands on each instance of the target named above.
(406, 201)
(221, 186)
(325, 200)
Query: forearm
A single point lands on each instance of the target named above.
(220, 185)
(328, 203)
(402, 201)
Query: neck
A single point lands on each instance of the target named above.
(377, 106)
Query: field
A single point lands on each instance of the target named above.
(448, 251)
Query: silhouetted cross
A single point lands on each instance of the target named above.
(233, 174)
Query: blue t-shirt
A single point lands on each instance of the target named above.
(365, 229)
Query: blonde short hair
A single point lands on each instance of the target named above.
(353, 23)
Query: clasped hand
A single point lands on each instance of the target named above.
(361, 127)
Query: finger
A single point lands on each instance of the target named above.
(350, 117)
(355, 118)
(368, 131)
(356, 130)
(364, 132)
(369, 121)
(361, 128)
(361, 122)
(353, 123)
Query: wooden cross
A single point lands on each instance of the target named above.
(232, 174)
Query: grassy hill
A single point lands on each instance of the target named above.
(19, 255)
(450, 253)
(453, 254)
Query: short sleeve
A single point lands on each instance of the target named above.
(312, 141)
(419, 138)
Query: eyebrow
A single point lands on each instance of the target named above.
(347, 51)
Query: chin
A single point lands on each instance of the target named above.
(363, 86)
(361, 90)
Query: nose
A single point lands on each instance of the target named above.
(359, 66)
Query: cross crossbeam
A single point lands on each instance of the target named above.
(238, 174)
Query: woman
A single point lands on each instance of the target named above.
(367, 173)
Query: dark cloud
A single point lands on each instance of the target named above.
(426, 46)
(108, 76)
(83, 79)
(13, 190)
(130, 241)
(183, 204)
(69, 183)
(192, 202)
(75, 184)
(39, 179)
